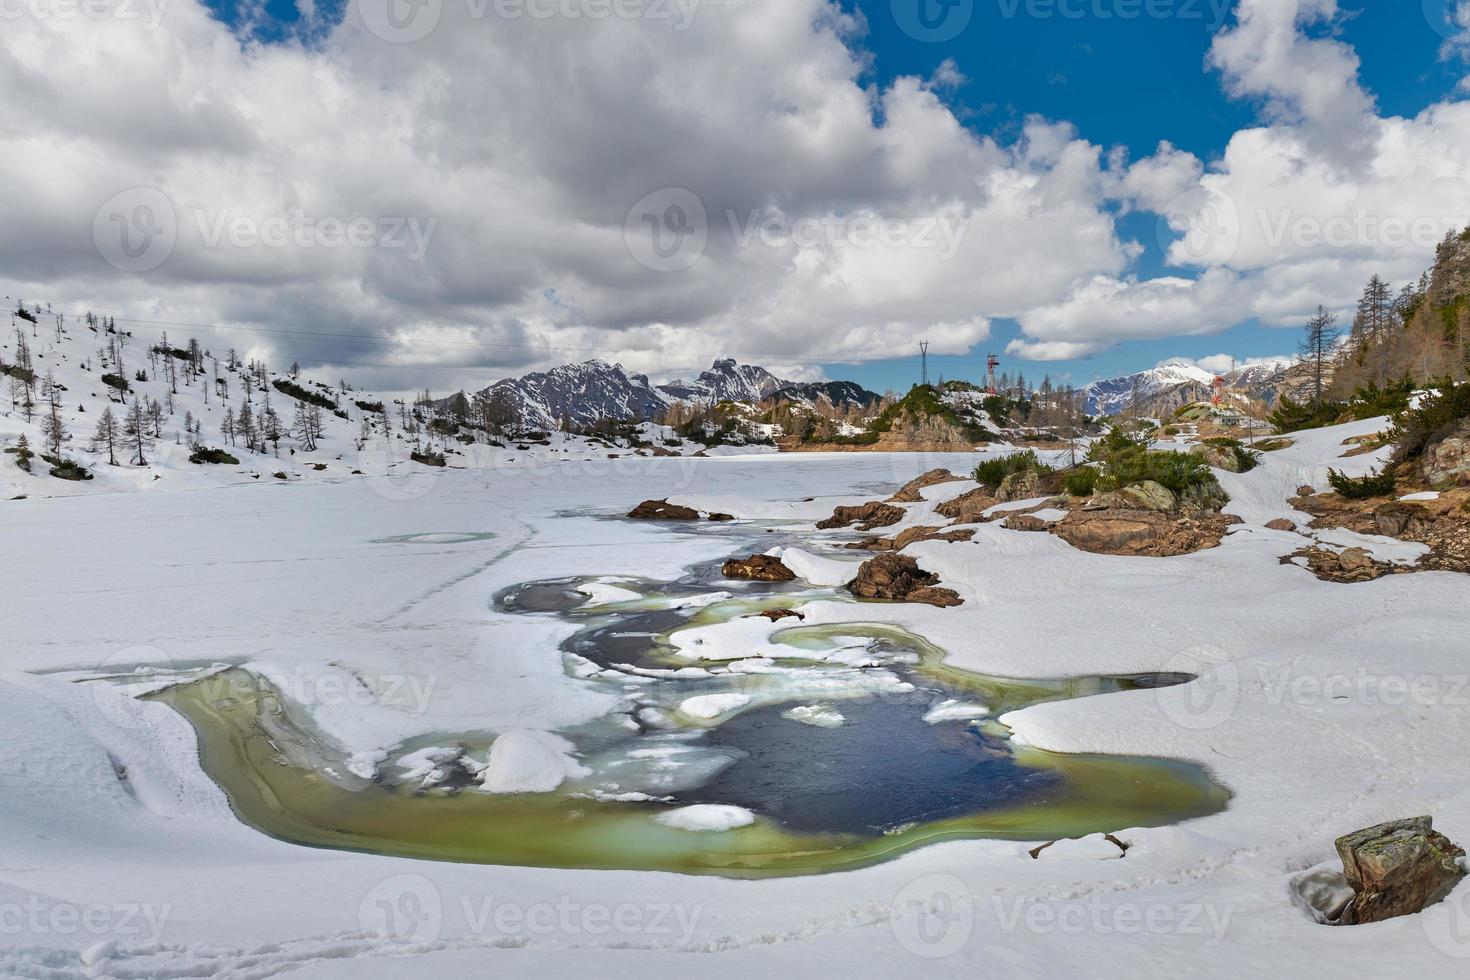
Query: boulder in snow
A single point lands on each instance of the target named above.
(1397, 868)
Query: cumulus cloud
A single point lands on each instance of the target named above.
(1298, 212)
(724, 179)
(503, 171)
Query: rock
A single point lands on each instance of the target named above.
(1403, 520)
(895, 576)
(1147, 496)
(1281, 524)
(866, 516)
(758, 568)
(967, 508)
(913, 535)
(776, 615)
(1305, 491)
(934, 596)
(1397, 868)
(662, 510)
(1017, 486)
(909, 492)
(721, 518)
(1138, 532)
(1350, 565)
(1448, 461)
(1219, 457)
(1026, 522)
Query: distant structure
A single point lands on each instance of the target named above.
(1217, 396)
(992, 362)
(924, 362)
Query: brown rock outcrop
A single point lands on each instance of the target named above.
(868, 516)
(662, 510)
(758, 568)
(899, 577)
(909, 492)
(1137, 532)
(967, 508)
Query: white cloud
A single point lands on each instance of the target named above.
(527, 141)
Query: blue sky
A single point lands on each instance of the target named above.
(1132, 83)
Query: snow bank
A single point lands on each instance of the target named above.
(819, 571)
(529, 762)
(709, 817)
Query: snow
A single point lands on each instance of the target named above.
(707, 707)
(818, 570)
(955, 710)
(707, 817)
(1421, 495)
(816, 715)
(606, 591)
(1323, 707)
(529, 762)
(1011, 505)
(1383, 548)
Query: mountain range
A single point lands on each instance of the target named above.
(1160, 390)
(593, 390)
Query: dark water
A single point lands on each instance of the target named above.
(885, 767)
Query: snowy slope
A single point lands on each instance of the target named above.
(326, 579)
(355, 442)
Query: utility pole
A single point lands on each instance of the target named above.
(924, 361)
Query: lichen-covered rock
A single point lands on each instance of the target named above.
(1143, 533)
(866, 516)
(909, 492)
(1281, 524)
(899, 577)
(1147, 496)
(758, 568)
(1220, 457)
(1404, 520)
(1018, 486)
(967, 508)
(1203, 498)
(662, 510)
(1026, 522)
(1397, 868)
(1448, 460)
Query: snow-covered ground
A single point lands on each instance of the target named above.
(1323, 707)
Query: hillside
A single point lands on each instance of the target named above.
(203, 419)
